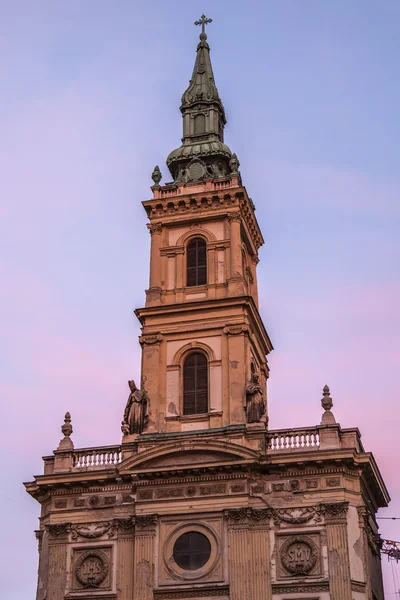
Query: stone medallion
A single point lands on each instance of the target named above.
(91, 568)
(299, 555)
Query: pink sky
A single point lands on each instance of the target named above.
(89, 107)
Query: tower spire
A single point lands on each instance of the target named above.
(203, 153)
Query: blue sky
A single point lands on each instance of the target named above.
(89, 105)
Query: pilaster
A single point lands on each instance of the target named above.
(57, 567)
(363, 524)
(145, 531)
(249, 554)
(155, 230)
(125, 557)
(338, 551)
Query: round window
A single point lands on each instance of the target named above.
(192, 550)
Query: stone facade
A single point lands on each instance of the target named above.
(266, 514)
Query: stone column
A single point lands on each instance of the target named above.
(125, 554)
(259, 553)
(338, 551)
(145, 531)
(238, 553)
(57, 566)
(155, 258)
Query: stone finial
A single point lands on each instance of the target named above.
(66, 443)
(156, 175)
(327, 403)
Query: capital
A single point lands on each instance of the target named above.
(154, 228)
(234, 217)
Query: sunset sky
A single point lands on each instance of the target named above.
(89, 104)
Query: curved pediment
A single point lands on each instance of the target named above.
(186, 454)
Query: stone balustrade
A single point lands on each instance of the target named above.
(289, 440)
(97, 458)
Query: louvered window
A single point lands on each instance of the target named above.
(196, 264)
(195, 384)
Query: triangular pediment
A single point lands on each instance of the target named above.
(188, 455)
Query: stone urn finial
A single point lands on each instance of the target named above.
(327, 403)
(66, 429)
(156, 175)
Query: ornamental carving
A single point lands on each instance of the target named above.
(236, 329)
(150, 339)
(311, 484)
(96, 530)
(209, 490)
(90, 530)
(146, 523)
(243, 516)
(296, 516)
(199, 593)
(299, 555)
(234, 217)
(336, 513)
(169, 492)
(60, 504)
(154, 228)
(333, 482)
(300, 589)
(92, 568)
(58, 531)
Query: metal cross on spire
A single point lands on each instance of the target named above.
(203, 21)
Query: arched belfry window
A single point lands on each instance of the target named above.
(196, 264)
(195, 384)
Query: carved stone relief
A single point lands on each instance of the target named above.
(92, 569)
(297, 516)
(333, 482)
(335, 513)
(97, 530)
(299, 555)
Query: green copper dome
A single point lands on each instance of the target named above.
(203, 153)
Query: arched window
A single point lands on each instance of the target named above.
(199, 124)
(196, 264)
(195, 384)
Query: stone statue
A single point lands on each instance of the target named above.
(234, 164)
(135, 415)
(255, 405)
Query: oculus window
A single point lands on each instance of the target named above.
(192, 550)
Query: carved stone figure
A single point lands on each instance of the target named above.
(255, 405)
(135, 415)
(234, 163)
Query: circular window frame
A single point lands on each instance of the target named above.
(168, 552)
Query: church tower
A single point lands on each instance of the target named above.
(202, 499)
(203, 338)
